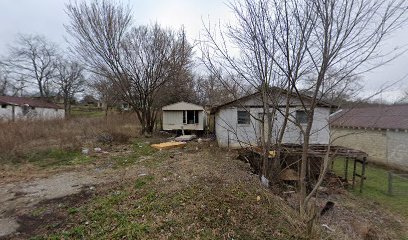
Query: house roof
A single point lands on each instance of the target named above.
(321, 103)
(21, 101)
(382, 117)
(182, 106)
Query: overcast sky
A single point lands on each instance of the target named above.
(46, 17)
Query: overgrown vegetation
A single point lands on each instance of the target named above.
(60, 141)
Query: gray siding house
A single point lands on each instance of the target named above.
(237, 123)
(183, 116)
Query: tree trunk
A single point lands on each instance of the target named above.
(305, 152)
(266, 137)
(40, 86)
(69, 109)
(106, 111)
(66, 110)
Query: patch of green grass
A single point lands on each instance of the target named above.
(141, 152)
(73, 210)
(156, 160)
(38, 212)
(376, 187)
(77, 232)
(56, 157)
(86, 111)
(108, 217)
(123, 161)
(142, 149)
(141, 182)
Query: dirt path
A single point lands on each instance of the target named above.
(17, 198)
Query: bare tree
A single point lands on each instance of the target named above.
(404, 98)
(107, 95)
(181, 87)
(334, 90)
(8, 84)
(211, 91)
(32, 60)
(154, 56)
(253, 67)
(344, 40)
(4, 80)
(137, 60)
(283, 43)
(70, 80)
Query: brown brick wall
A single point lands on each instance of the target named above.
(373, 142)
(384, 147)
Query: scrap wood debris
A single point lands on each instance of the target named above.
(168, 145)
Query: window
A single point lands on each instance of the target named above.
(301, 117)
(190, 117)
(4, 106)
(196, 117)
(243, 117)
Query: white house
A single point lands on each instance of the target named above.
(237, 123)
(183, 116)
(16, 108)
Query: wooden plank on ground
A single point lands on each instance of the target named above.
(168, 145)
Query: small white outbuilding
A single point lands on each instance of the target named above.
(183, 116)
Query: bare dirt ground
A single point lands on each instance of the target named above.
(26, 187)
(200, 192)
(19, 197)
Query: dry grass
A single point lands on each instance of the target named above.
(17, 139)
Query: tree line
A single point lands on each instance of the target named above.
(160, 60)
(35, 63)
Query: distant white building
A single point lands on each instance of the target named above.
(183, 116)
(21, 108)
(237, 123)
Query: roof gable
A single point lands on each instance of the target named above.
(251, 100)
(21, 101)
(182, 106)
